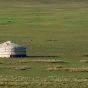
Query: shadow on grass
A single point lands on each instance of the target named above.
(42, 56)
(86, 55)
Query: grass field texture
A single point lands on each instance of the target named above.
(55, 33)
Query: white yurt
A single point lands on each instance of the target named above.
(10, 49)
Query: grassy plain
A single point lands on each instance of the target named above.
(56, 35)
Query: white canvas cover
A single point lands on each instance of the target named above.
(10, 49)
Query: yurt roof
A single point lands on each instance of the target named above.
(10, 44)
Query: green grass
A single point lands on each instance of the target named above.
(52, 30)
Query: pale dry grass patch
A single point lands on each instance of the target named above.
(53, 81)
(19, 67)
(84, 61)
(44, 61)
(70, 69)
